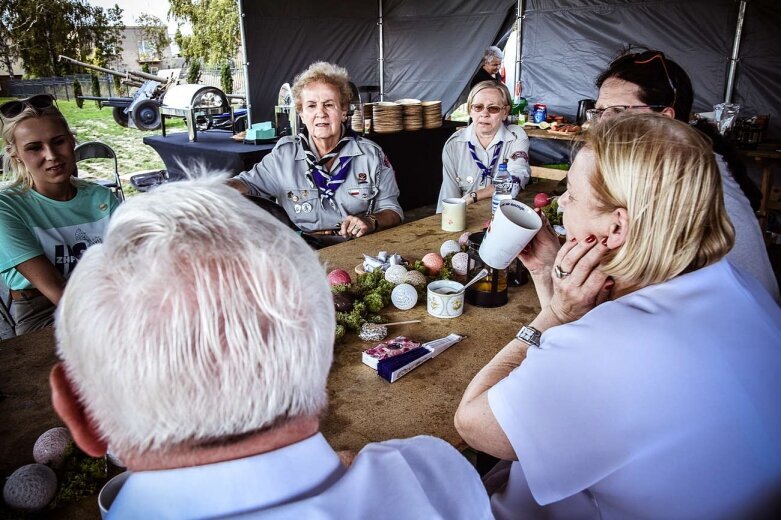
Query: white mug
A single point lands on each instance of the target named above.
(445, 299)
(453, 214)
(512, 228)
(110, 491)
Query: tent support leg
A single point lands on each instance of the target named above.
(733, 65)
(518, 43)
(246, 62)
(381, 60)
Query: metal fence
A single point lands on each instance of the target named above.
(62, 87)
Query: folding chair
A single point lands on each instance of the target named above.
(98, 150)
(5, 312)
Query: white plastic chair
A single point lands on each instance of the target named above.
(98, 150)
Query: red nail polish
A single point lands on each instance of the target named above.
(590, 239)
(604, 241)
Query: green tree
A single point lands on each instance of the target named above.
(194, 72)
(77, 93)
(95, 87)
(41, 31)
(155, 33)
(215, 25)
(9, 51)
(226, 78)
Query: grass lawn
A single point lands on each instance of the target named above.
(93, 124)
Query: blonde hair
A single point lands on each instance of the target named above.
(15, 174)
(327, 73)
(224, 324)
(665, 175)
(501, 87)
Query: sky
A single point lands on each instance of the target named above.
(133, 8)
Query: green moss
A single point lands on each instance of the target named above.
(79, 476)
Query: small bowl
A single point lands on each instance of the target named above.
(441, 305)
(109, 492)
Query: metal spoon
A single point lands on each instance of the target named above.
(479, 276)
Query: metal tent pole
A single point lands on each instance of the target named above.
(733, 65)
(518, 40)
(246, 62)
(382, 55)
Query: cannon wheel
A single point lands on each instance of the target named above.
(146, 115)
(120, 117)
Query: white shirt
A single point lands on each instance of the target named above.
(422, 477)
(460, 173)
(661, 404)
(749, 252)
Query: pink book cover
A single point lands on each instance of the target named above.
(388, 348)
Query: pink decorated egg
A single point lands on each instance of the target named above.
(464, 238)
(339, 277)
(460, 262)
(541, 200)
(433, 263)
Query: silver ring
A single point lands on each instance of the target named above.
(559, 272)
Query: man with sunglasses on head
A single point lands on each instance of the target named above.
(649, 81)
(48, 217)
(472, 155)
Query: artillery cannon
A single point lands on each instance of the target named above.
(142, 110)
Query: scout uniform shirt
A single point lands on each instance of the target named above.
(462, 175)
(370, 185)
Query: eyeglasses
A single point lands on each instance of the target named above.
(492, 109)
(594, 114)
(12, 109)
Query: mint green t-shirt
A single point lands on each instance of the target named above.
(32, 225)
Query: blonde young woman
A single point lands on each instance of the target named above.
(47, 217)
(653, 389)
(472, 155)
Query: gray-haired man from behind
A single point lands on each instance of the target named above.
(205, 366)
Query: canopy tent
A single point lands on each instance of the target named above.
(431, 48)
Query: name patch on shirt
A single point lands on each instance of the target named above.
(520, 155)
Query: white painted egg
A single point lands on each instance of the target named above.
(404, 296)
(30, 488)
(415, 278)
(449, 246)
(395, 274)
(460, 263)
(464, 238)
(51, 446)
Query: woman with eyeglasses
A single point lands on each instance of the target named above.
(647, 386)
(472, 155)
(490, 67)
(649, 81)
(48, 217)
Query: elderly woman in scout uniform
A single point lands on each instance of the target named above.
(327, 178)
(472, 155)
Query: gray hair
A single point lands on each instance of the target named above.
(328, 73)
(222, 322)
(493, 52)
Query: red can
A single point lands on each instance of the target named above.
(539, 113)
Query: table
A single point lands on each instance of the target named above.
(363, 407)
(416, 157)
(766, 158)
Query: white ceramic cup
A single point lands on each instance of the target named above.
(453, 214)
(110, 491)
(442, 305)
(513, 226)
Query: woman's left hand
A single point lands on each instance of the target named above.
(578, 284)
(354, 227)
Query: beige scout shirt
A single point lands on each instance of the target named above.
(370, 185)
(460, 174)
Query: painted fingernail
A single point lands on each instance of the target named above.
(590, 239)
(604, 241)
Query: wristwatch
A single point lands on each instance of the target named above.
(374, 222)
(474, 197)
(529, 335)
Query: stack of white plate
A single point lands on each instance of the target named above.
(356, 122)
(412, 114)
(432, 114)
(387, 118)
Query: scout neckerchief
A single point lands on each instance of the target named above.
(327, 183)
(486, 170)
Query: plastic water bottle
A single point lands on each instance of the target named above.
(503, 186)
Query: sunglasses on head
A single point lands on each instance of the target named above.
(12, 109)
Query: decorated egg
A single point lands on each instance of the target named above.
(464, 238)
(404, 296)
(30, 488)
(344, 301)
(433, 263)
(339, 277)
(51, 445)
(541, 200)
(395, 274)
(373, 332)
(415, 278)
(460, 263)
(448, 247)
